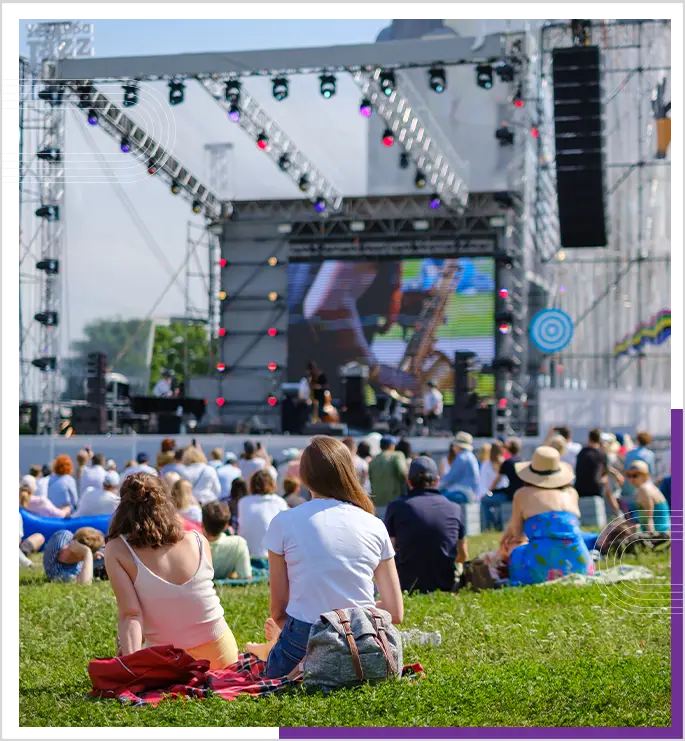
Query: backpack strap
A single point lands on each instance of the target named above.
(382, 638)
(349, 636)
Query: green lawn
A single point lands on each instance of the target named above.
(533, 656)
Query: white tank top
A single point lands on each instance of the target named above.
(184, 615)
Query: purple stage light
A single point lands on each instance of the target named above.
(365, 108)
(125, 146)
(93, 118)
(435, 202)
(320, 205)
(234, 114)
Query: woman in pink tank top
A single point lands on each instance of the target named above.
(162, 577)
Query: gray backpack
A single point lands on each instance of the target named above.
(350, 646)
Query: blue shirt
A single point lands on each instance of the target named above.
(637, 454)
(178, 468)
(62, 491)
(54, 570)
(227, 475)
(464, 473)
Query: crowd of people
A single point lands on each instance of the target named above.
(339, 524)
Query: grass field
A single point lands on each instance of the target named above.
(532, 656)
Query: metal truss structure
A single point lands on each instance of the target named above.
(609, 292)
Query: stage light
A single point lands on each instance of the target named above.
(263, 142)
(273, 296)
(388, 138)
(518, 98)
(50, 155)
(420, 180)
(404, 161)
(125, 145)
(47, 318)
(304, 184)
(272, 367)
(272, 401)
(327, 86)
(561, 255)
(357, 226)
(220, 401)
(504, 328)
(273, 261)
(93, 117)
(279, 88)
(504, 199)
(437, 80)
(421, 225)
(535, 132)
(502, 403)
(223, 262)
(505, 136)
(387, 82)
(284, 162)
(51, 267)
(365, 108)
(222, 331)
(197, 207)
(320, 205)
(285, 228)
(52, 95)
(176, 92)
(232, 92)
(435, 202)
(484, 76)
(497, 222)
(175, 188)
(562, 289)
(45, 364)
(234, 113)
(130, 95)
(222, 295)
(272, 331)
(84, 95)
(49, 213)
(152, 167)
(220, 367)
(505, 72)
(503, 293)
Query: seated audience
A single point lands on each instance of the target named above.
(201, 475)
(256, 511)
(652, 508)
(186, 504)
(102, 500)
(140, 466)
(29, 545)
(40, 506)
(360, 465)
(249, 461)
(324, 555)
(448, 460)
(176, 466)
(238, 491)
(170, 479)
(93, 475)
(483, 454)
(230, 554)
(428, 532)
(571, 448)
(111, 465)
(592, 467)
(291, 492)
(489, 470)
(460, 483)
(162, 578)
(82, 458)
(216, 458)
(68, 557)
(545, 511)
(166, 455)
(61, 485)
(227, 474)
(505, 485)
(387, 474)
(641, 452)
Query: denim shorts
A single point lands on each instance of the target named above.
(290, 648)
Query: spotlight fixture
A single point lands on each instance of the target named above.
(52, 95)
(272, 401)
(197, 207)
(273, 261)
(284, 162)
(220, 367)
(92, 117)
(320, 205)
(223, 262)
(327, 86)
(49, 213)
(437, 80)
(279, 88)
(404, 161)
(233, 113)
(263, 142)
(84, 96)
(45, 364)
(505, 72)
(435, 202)
(232, 92)
(176, 92)
(518, 98)
(125, 145)
(51, 267)
(47, 318)
(484, 76)
(535, 132)
(272, 367)
(420, 180)
(49, 155)
(130, 95)
(222, 331)
(175, 188)
(273, 296)
(272, 331)
(222, 295)
(365, 108)
(387, 82)
(388, 138)
(220, 401)
(503, 293)
(152, 167)
(504, 328)
(505, 136)
(304, 184)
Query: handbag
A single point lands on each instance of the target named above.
(352, 646)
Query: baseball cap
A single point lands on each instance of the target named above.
(387, 441)
(112, 479)
(231, 457)
(142, 458)
(423, 465)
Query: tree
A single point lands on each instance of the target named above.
(171, 343)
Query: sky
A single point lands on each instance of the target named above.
(112, 268)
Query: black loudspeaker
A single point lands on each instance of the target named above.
(168, 424)
(96, 388)
(579, 146)
(354, 392)
(28, 417)
(465, 407)
(89, 420)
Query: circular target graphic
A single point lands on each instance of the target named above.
(551, 330)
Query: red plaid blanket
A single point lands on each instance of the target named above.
(246, 676)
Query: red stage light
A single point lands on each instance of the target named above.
(535, 132)
(272, 331)
(220, 401)
(388, 138)
(222, 331)
(221, 367)
(503, 293)
(518, 102)
(272, 367)
(272, 401)
(263, 142)
(223, 262)
(502, 403)
(504, 328)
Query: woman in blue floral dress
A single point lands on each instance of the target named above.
(545, 511)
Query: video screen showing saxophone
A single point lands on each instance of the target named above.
(403, 319)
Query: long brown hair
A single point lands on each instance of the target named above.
(496, 455)
(262, 482)
(327, 469)
(146, 515)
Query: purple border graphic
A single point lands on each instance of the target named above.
(676, 728)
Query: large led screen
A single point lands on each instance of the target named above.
(403, 319)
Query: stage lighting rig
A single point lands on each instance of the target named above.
(505, 136)
(304, 184)
(49, 213)
(176, 92)
(263, 141)
(232, 92)
(50, 155)
(233, 113)
(387, 82)
(93, 117)
(197, 207)
(284, 163)
(130, 95)
(505, 72)
(52, 95)
(320, 205)
(437, 79)
(175, 188)
(404, 161)
(365, 108)
(484, 76)
(125, 145)
(388, 138)
(279, 88)
(327, 86)
(420, 180)
(518, 100)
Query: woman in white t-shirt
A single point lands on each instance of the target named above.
(206, 486)
(489, 470)
(325, 555)
(256, 511)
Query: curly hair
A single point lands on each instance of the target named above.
(90, 537)
(63, 465)
(262, 482)
(146, 514)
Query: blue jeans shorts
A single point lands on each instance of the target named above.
(290, 648)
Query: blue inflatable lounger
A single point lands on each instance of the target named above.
(48, 526)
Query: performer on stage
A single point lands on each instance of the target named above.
(432, 404)
(162, 389)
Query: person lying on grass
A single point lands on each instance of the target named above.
(162, 577)
(230, 554)
(324, 555)
(69, 557)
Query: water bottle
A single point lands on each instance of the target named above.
(420, 638)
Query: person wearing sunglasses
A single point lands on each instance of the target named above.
(652, 508)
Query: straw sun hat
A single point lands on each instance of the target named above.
(546, 470)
